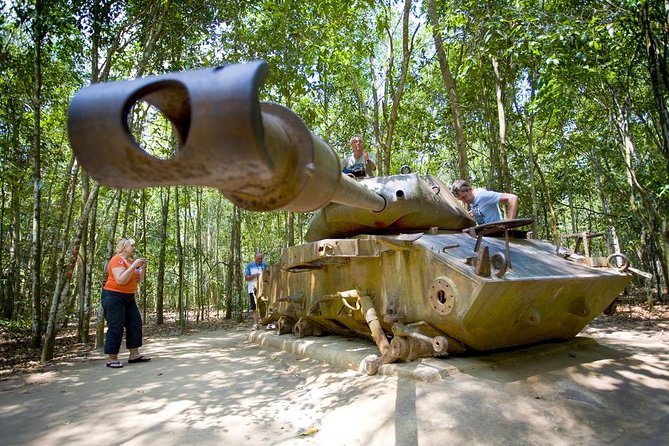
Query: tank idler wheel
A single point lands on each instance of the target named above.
(624, 262)
(498, 261)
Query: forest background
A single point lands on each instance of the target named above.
(562, 102)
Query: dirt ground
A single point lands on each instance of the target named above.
(16, 356)
(212, 385)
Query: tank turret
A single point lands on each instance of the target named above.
(393, 257)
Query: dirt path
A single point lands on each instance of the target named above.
(218, 388)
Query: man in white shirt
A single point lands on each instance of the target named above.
(360, 164)
(251, 274)
(484, 203)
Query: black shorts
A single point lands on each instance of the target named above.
(252, 302)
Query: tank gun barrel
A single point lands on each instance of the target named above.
(260, 155)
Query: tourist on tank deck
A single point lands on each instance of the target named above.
(120, 307)
(360, 164)
(484, 204)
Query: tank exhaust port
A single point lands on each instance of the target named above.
(442, 296)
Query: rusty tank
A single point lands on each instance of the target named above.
(395, 259)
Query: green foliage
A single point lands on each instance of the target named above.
(15, 329)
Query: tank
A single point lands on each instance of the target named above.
(395, 259)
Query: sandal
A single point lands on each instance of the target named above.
(114, 365)
(139, 359)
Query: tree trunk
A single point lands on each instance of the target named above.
(180, 260)
(549, 202)
(665, 232)
(229, 267)
(197, 236)
(5, 297)
(407, 48)
(64, 209)
(39, 32)
(83, 259)
(144, 253)
(160, 281)
(232, 279)
(85, 310)
(291, 229)
(127, 214)
(376, 121)
(528, 127)
(655, 59)
(12, 289)
(642, 203)
(216, 270)
(59, 295)
(56, 277)
(236, 268)
(449, 83)
(501, 118)
(612, 241)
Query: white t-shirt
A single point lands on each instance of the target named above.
(485, 207)
(356, 164)
(253, 268)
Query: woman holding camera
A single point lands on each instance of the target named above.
(120, 307)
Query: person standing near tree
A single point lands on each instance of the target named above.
(251, 273)
(120, 307)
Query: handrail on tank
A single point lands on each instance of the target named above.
(260, 155)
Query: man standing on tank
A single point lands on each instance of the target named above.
(484, 203)
(251, 274)
(359, 164)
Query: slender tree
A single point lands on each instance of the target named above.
(39, 34)
(160, 280)
(451, 87)
(66, 279)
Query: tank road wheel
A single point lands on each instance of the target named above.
(299, 328)
(304, 328)
(283, 326)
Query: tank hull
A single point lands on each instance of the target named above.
(425, 286)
